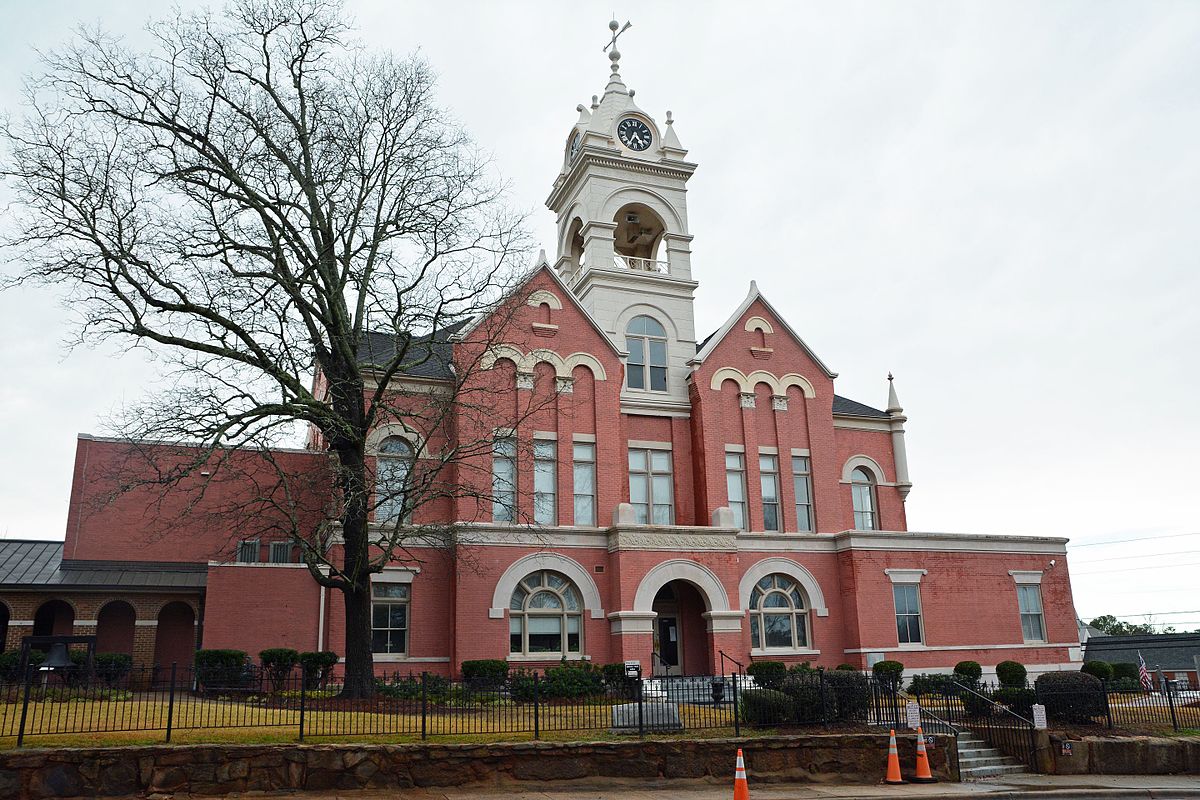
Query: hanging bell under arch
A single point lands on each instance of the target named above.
(58, 657)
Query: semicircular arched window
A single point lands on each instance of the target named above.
(545, 616)
(395, 457)
(862, 493)
(778, 615)
(646, 367)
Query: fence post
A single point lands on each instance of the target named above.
(537, 723)
(424, 702)
(1107, 707)
(737, 726)
(25, 704)
(171, 701)
(1171, 704)
(641, 720)
(821, 692)
(303, 685)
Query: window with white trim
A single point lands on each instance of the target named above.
(907, 597)
(1029, 601)
(585, 483)
(394, 462)
(768, 478)
(248, 551)
(280, 553)
(646, 366)
(504, 480)
(802, 483)
(862, 493)
(650, 490)
(735, 482)
(389, 617)
(778, 615)
(545, 482)
(545, 616)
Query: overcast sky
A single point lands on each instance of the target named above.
(999, 202)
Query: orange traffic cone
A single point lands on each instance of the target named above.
(741, 789)
(923, 774)
(893, 768)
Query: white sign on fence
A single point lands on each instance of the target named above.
(1039, 716)
(914, 715)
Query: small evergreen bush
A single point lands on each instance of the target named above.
(112, 667)
(572, 679)
(765, 707)
(1101, 669)
(846, 668)
(969, 669)
(1071, 696)
(813, 700)
(278, 663)
(852, 691)
(931, 683)
(767, 674)
(1125, 671)
(317, 667)
(485, 672)
(1018, 699)
(221, 669)
(617, 683)
(1011, 673)
(888, 672)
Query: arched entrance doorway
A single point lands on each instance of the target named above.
(688, 609)
(114, 628)
(175, 637)
(54, 618)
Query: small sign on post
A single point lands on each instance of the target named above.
(633, 669)
(913, 712)
(930, 741)
(1068, 749)
(1039, 716)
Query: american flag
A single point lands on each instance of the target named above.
(1143, 673)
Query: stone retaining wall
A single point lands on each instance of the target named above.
(1125, 755)
(223, 769)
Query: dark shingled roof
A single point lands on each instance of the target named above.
(846, 406)
(434, 353)
(1171, 651)
(33, 564)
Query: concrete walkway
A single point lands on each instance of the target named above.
(1027, 787)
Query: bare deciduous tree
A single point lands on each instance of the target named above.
(250, 197)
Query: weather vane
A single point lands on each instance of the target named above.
(612, 26)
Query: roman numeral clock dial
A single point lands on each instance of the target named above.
(634, 134)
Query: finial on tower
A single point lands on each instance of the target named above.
(615, 55)
(894, 408)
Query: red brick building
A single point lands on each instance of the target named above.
(670, 500)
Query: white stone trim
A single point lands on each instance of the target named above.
(401, 658)
(1024, 577)
(746, 383)
(87, 623)
(381, 432)
(905, 575)
(735, 448)
(642, 444)
(862, 424)
(698, 575)
(516, 571)
(768, 451)
(622, 623)
(723, 621)
(756, 652)
(866, 462)
(800, 451)
(546, 436)
(20, 623)
(948, 542)
(395, 575)
(539, 296)
(746, 400)
(146, 623)
(759, 324)
(784, 566)
(922, 647)
(526, 362)
(584, 438)
(257, 564)
(552, 658)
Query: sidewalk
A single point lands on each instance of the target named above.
(1022, 786)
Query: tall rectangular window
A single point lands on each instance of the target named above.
(768, 475)
(908, 613)
(545, 482)
(802, 482)
(280, 553)
(1029, 601)
(389, 617)
(650, 490)
(247, 552)
(585, 484)
(735, 482)
(504, 480)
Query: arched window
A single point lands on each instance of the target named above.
(391, 477)
(545, 616)
(778, 615)
(646, 341)
(862, 492)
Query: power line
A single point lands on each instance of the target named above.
(1143, 555)
(1137, 539)
(1136, 569)
(1151, 614)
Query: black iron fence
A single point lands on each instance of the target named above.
(71, 701)
(966, 707)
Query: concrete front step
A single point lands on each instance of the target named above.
(985, 761)
(968, 773)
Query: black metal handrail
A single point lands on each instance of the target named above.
(725, 657)
(999, 725)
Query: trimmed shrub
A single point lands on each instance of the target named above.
(317, 667)
(977, 702)
(572, 679)
(617, 683)
(888, 672)
(112, 667)
(969, 669)
(1125, 671)
(220, 669)
(1011, 673)
(278, 663)
(1101, 669)
(10, 664)
(767, 674)
(1070, 696)
(408, 687)
(803, 668)
(1018, 699)
(765, 706)
(485, 672)
(931, 683)
(521, 685)
(852, 691)
(813, 700)
(846, 668)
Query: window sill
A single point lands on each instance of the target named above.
(788, 652)
(546, 658)
(402, 658)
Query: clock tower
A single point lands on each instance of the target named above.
(623, 241)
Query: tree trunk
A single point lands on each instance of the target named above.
(360, 667)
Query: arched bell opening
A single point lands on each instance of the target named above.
(575, 246)
(115, 626)
(637, 238)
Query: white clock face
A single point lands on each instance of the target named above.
(576, 143)
(634, 134)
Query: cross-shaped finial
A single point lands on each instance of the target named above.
(613, 26)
